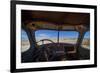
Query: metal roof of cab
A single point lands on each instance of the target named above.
(55, 20)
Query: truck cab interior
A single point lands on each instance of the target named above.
(55, 36)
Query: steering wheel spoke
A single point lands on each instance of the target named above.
(46, 50)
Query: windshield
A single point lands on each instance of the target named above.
(56, 36)
(68, 37)
(46, 34)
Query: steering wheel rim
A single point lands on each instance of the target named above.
(45, 40)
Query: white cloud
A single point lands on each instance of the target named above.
(42, 36)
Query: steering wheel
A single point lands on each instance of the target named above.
(45, 50)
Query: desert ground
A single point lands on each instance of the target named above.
(25, 45)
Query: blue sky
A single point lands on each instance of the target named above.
(53, 34)
(47, 34)
(64, 34)
(87, 35)
(24, 35)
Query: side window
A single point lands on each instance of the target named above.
(86, 40)
(25, 45)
